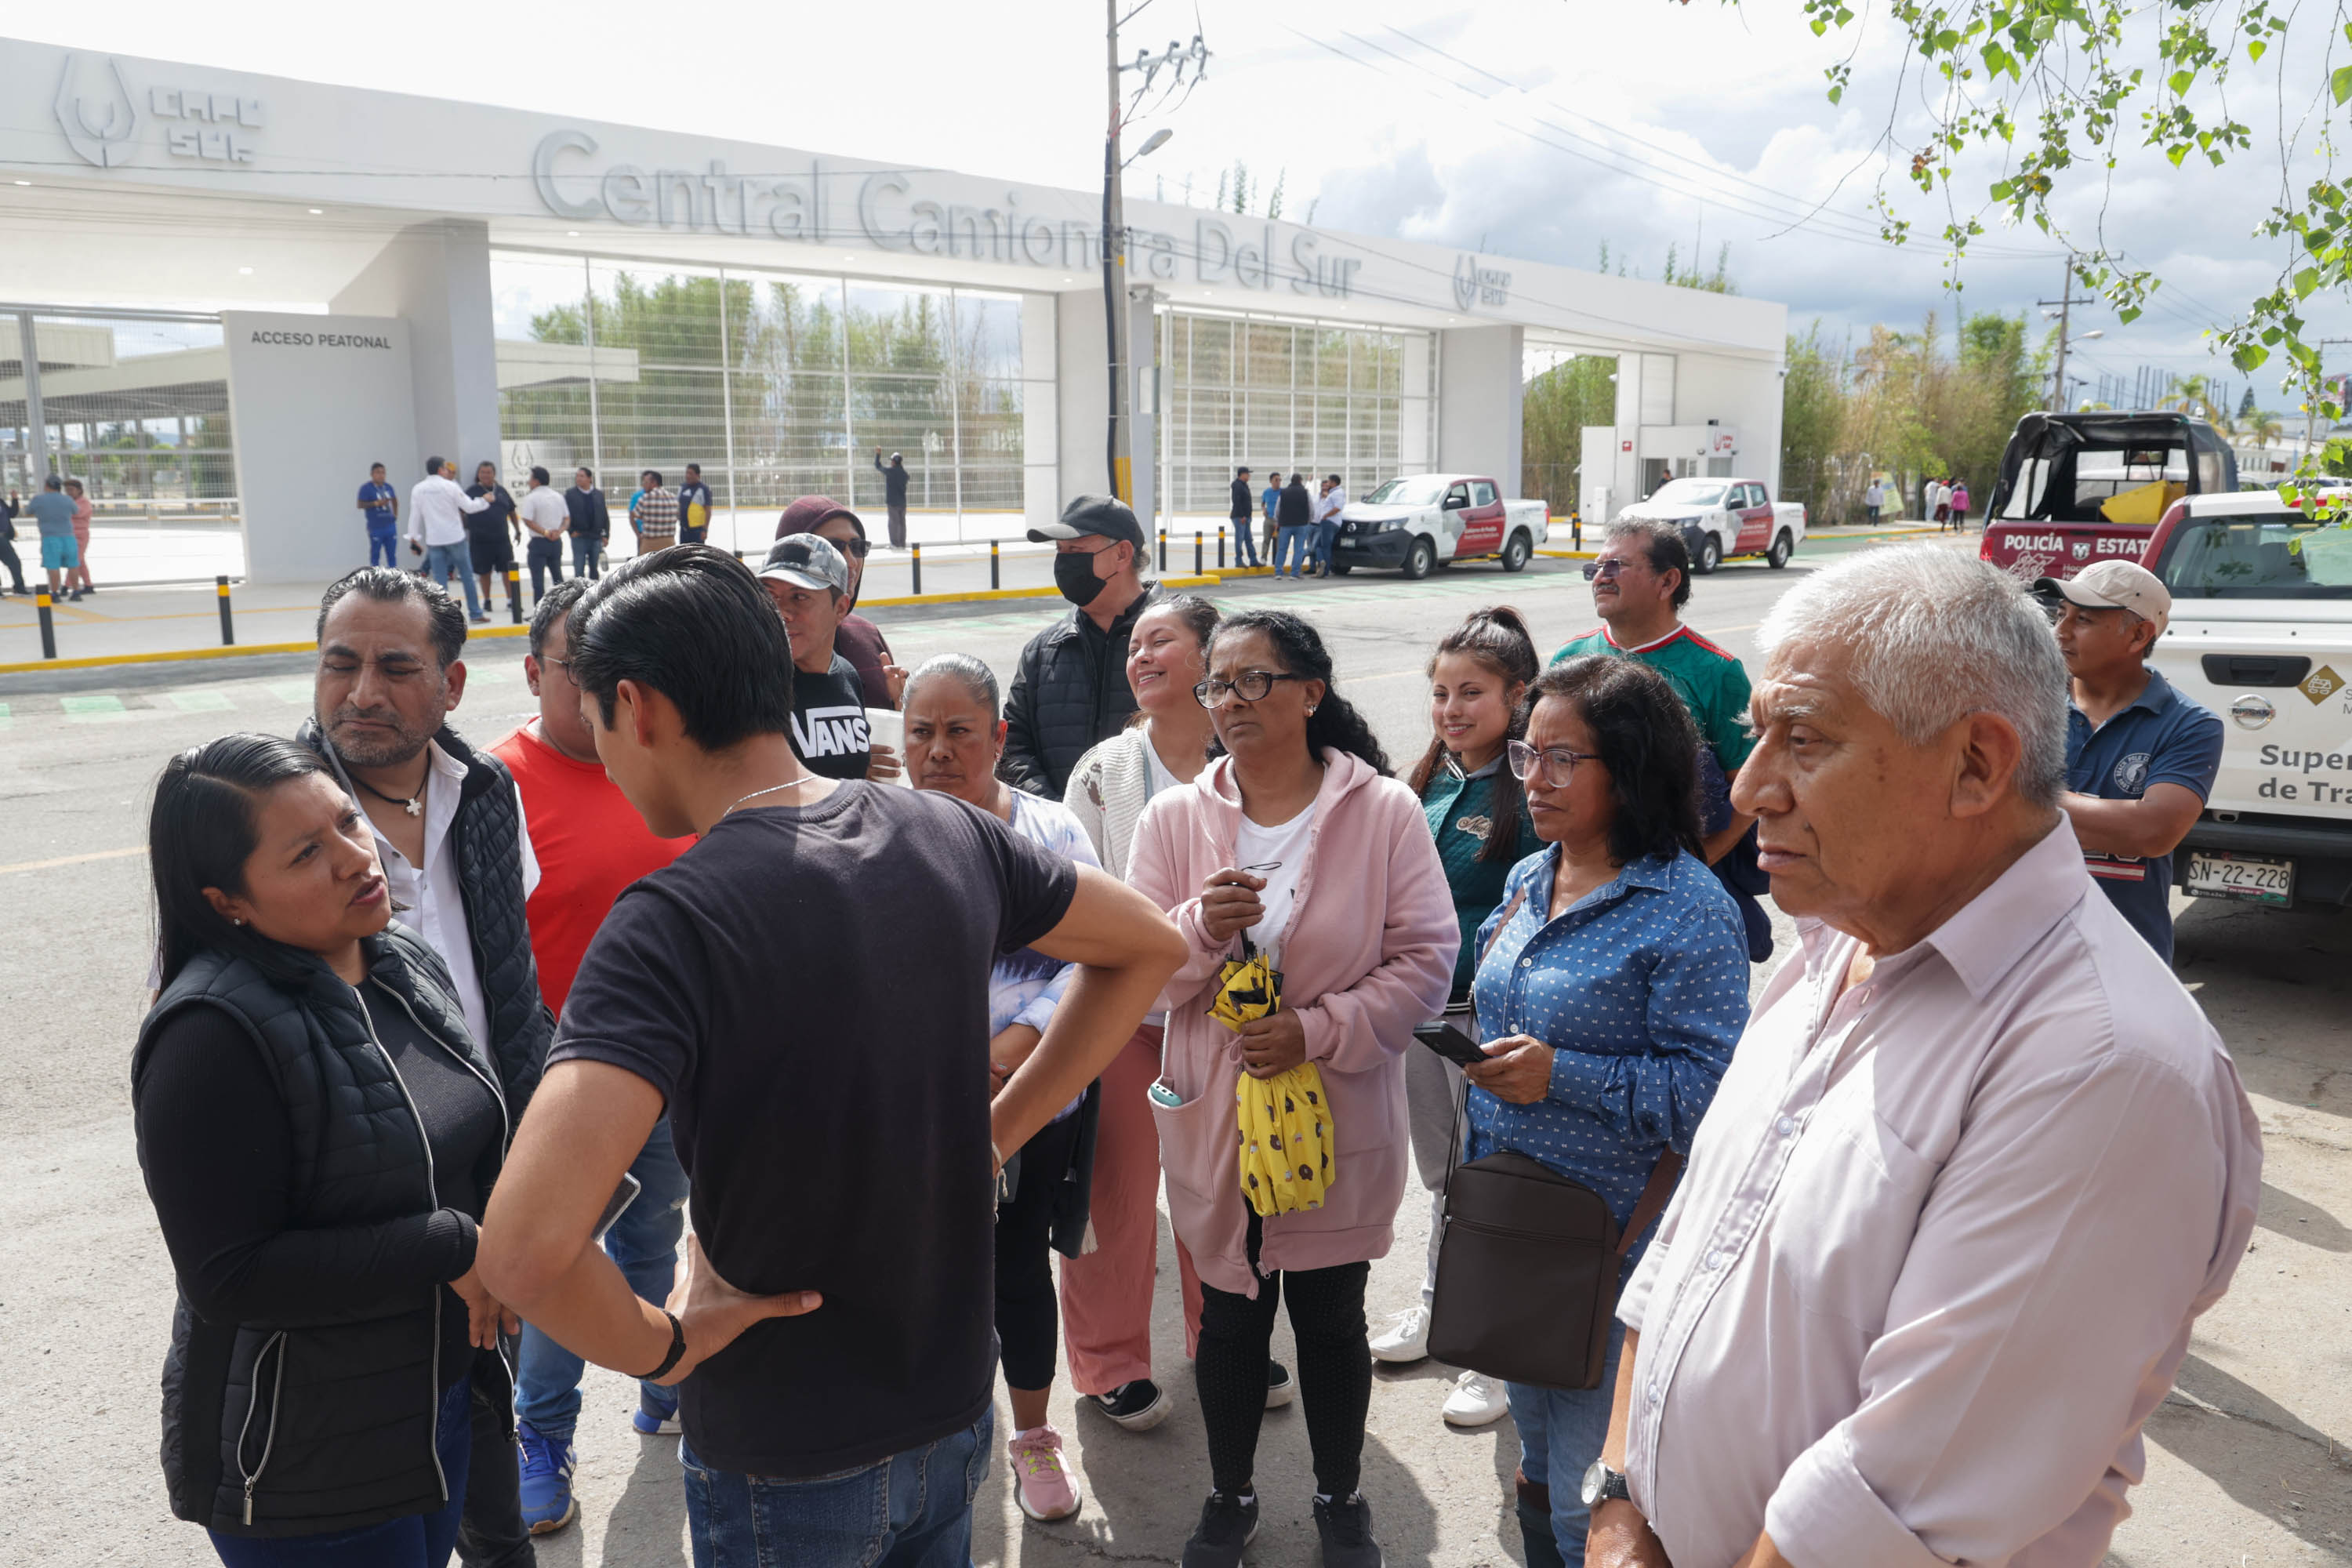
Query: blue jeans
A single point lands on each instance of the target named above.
(1325, 535)
(643, 1242)
(418, 1541)
(1294, 543)
(1560, 1433)
(910, 1510)
(384, 540)
(444, 561)
(1244, 540)
(583, 556)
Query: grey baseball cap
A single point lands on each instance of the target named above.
(806, 561)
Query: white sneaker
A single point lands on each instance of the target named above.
(1405, 1338)
(1477, 1400)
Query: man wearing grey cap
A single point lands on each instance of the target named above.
(808, 579)
(1069, 691)
(2140, 757)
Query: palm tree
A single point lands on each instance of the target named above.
(2193, 395)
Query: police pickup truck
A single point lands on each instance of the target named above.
(1723, 518)
(1426, 520)
(2078, 489)
(2260, 633)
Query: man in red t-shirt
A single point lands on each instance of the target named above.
(591, 844)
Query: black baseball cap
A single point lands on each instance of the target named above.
(1105, 515)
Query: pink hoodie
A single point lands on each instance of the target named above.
(1368, 956)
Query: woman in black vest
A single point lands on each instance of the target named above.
(318, 1135)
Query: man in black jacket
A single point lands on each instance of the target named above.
(894, 495)
(448, 827)
(591, 522)
(1069, 690)
(1244, 509)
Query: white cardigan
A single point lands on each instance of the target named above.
(1109, 789)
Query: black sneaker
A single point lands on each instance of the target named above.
(1138, 1406)
(1346, 1526)
(1279, 1388)
(1226, 1527)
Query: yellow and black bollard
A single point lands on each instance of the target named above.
(48, 626)
(514, 594)
(1196, 552)
(994, 554)
(915, 551)
(1220, 548)
(228, 626)
(1163, 549)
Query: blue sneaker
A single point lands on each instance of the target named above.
(547, 1501)
(656, 1414)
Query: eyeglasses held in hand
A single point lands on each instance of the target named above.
(1597, 569)
(1559, 762)
(1251, 686)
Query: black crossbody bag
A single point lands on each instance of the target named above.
(1529, 1267)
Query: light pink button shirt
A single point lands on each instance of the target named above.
(1940, 1242)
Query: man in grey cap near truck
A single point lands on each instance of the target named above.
(1069, 690)
(2140, 757)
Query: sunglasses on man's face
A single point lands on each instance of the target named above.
(857, 547)
(1603, 570)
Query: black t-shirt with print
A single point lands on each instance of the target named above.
(829, 732)
(808, 988)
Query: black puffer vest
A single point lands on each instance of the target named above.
(487, 830)
(1069, 694)
(284, 1428)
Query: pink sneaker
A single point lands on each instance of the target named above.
(1044, 1489)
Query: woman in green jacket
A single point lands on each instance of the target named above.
(1476, 812)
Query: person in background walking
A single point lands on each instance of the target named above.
(1477, 815)
(1348, 902)
(590, 844)
(1874, 497)
(491, 534)
(1959, 504)
(1938, 503)
(1272, 501)
(53, 520)
(856, 639)
(894, 495)
(1611, 987)
(693, 507)
(1069, 689)
(590, 523)
(1107, 1293)
(10, 510)
(953, 736)
(380, 504)
(1296, 517)
(545, 515)
(1244, 518)
(79, 578)
(319, 1132)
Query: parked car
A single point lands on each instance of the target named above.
(2260, 633)
(1422, 522)
(2076, 488)
(1721, 518)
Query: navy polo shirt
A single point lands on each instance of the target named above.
(2159, 737)
(378, 500)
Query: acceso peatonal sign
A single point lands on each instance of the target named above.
(889, 211)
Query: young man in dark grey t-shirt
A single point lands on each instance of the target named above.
(833, 1117)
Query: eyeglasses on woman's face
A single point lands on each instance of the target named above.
(1250, 686)
(1557, 763)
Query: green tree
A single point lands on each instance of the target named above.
(1556, 408)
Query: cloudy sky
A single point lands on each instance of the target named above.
(1542, 128)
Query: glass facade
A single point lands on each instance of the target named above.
(779, 384)
(1279, 394)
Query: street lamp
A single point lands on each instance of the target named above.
(1152, 145)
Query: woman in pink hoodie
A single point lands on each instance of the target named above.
(1298, 837)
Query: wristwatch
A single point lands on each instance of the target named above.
(1602, 1483)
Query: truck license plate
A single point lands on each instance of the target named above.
(2219, 874)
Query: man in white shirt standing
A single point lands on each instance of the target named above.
(545, 517)
(1327, 522)
(1978, 1162)
(449, 830)
(437, 530)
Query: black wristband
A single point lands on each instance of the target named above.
(677, 1348)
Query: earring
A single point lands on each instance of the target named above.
(235, 922)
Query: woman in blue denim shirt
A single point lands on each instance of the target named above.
(1612, 985)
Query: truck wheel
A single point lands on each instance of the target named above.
(1778, 556)
(1341, 568)
(1420, 559)
(1515, 552)
(1709, 557)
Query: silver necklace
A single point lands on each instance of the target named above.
(806, 778)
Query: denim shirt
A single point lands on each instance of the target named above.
(1641, 989)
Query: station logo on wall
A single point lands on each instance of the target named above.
(100, 113)
(96, 109)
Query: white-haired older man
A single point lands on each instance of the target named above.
(1978, 1162)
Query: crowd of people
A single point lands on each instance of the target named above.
(666, 1034)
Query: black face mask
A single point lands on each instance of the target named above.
(1073, 575)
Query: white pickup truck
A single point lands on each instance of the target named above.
(1723, 518)
(2260, 633)
(1426, 520)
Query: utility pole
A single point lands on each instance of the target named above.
(1114, 266)
(2065, 303)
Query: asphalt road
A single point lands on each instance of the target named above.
(2246, 1463)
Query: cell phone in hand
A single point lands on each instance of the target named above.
(1450, 1043)
(623, 1196)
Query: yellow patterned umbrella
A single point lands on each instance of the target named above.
(1283, 1135)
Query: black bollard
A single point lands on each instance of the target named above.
(1197, 567)
(514, 594)
(48, 626)
(992, 555)
(1220, 548)
(228, 627)
(914, 552)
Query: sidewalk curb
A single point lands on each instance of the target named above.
(988, 596)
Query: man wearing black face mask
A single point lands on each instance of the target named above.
(1069, 691)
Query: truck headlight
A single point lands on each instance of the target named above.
(1390, 524)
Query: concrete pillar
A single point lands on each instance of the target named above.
(1084, 399)
(1041, 425)
(436, 278)
(1480, 397)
